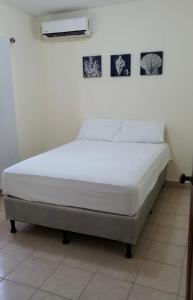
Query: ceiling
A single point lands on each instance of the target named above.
(40, 7)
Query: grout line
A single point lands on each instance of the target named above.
(180, 280)
(163, 263)
(21, 283)
(50, 293)
(133, 284)
(57, 265)
(149, 287)
(86, 285)
(17, 266)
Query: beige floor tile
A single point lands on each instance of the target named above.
(181, 298)
(178, 209)
(159, 276)
(185, 258)
(180, 197)
(87, 256)
(154, 218)
(175, 221)
(10, 257)
(166, 253)
(33, 271)
(144, 293)
(41, 295)
(141, 248)
(106, 288)
(52, 251)
(14, 291)
(67, 282)
(165, 193)
(182, 287)
(170, 235)
(148, 231)
(21, 246)
(5, 237)
(35, 236)
(91, 254)
(120, 267)
(160, 206)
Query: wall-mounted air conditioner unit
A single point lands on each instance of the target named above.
(78, 27)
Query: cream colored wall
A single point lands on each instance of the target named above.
(27, 78)
(52, 98)
(128, 28)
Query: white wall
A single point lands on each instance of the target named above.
(28, 93)
(128, 28)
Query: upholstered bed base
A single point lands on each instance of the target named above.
(111, 226)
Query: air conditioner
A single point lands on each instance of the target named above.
(77, 27)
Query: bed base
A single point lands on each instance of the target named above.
(105, 225)
(66, 240)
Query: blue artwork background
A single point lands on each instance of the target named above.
(92, 66)
(121, 65)
(155, 64)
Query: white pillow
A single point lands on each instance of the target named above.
(133, 131)
(100, 129)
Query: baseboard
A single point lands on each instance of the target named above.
(176, 184)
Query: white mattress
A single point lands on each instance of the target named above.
(101, 176)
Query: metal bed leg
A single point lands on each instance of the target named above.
(128, 251)
(65, 237)
(13, 228)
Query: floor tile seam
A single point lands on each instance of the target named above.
(50, 293)
(164, 243)
(13, 270)
(90, 279)
(169, 213)
(164, 263)
(80, 269)
(47, 259)
(179, 268)
(133, 284)
(52, 272)
(114, 277)
(178, 245)
(6, 244)
(181, 275)
(153, 288)
(20, 283)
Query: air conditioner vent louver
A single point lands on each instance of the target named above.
(61, 34)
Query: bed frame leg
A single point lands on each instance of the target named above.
(65, 237)
(128, 251)
(13, 228)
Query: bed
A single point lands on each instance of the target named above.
(102, 184)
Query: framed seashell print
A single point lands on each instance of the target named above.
(120, 65)
(151, 63)
(92, 66)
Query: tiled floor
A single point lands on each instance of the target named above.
(34, 264)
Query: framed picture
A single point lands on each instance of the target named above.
(120, 65)
(151, 63)
(92, 66)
